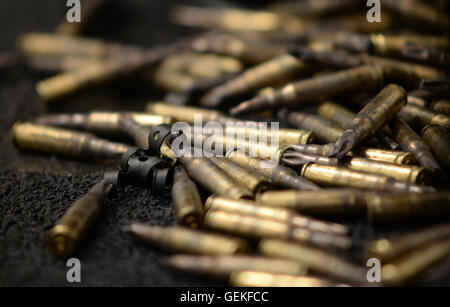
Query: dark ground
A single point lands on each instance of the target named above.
(35, 190)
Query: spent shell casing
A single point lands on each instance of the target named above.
(186, 200)
(414, 144)
(377, 154)
(441, 106)
(40, 138)
(278, 174)
(403, 173)
(64, 237)
(439, 141)
(419, 117)
(264, 279)
(55, 64)
(327, 203)
(345, 177)
(408, 207)
(138, 133)
(223, 265)
(325, 130)
(387, 249)
(185, 240)
(256, 227)
(271, 73)
(316, 89)
(316, 259)
(251, 180)
(100, 122)
(409, 267)
(426, 55)
(187, 113)
(285, 215)
(371, 118)
(214, 179)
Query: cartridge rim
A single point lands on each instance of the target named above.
(61, 240)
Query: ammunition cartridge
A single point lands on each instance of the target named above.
(187, 114)
(185, 240)
(252, 181)
(316, 89)
(316, 8)
(222, 266)
(343, 117)
(390, 156)
(403, 173)
(418, 12)
(414, 144)
(255, 227)
(409, 267)
(64, 142)
(279, 175)
(426, 55)
(43, 44)
(441, 106)
(419, 117)
(439, 140)
(70, 229)
(387, 249)
(214, 179)
(371, 119)
(262, 279)
(404, 73)
(284, 215)
(56, 64)
(88, 11)
(173, 81)
(345, 177)
(317, 260)
(327, 203)
(186, 200)
(325, 130)
(271, 73)
(408, 207)
(420, 98)
(101, 123)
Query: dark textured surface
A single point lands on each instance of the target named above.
(35, 190)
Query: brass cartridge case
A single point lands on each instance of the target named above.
(186, 200)
(317, 260)
(185, 240)
(214, 179)
(408, 206)
(371, 118)
(64, 237)
(316, 89)
(64, 142)
(341, 176)
(43, 44)
(325, 130)
(327, 203)
(222, 266)
(387, 249)
(407, 268)
(98, 122)
(389, 156)
(262, 279)
(54, 64)
(173, 81)
(336, 114)
(419, 117)
(284, 215)
(251, 226)
(271, 73)
(278, 174)
(252, 181)
(441, 106)
(414, 144)
(186, 113)
(439, 140)
(138, 133)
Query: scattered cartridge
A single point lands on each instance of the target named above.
(264, 279)
(64, 142)
(439, 141)
(70, 229)
(419, 117)
(186, 200)
(184, 240)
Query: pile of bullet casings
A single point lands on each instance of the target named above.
(365, 115)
